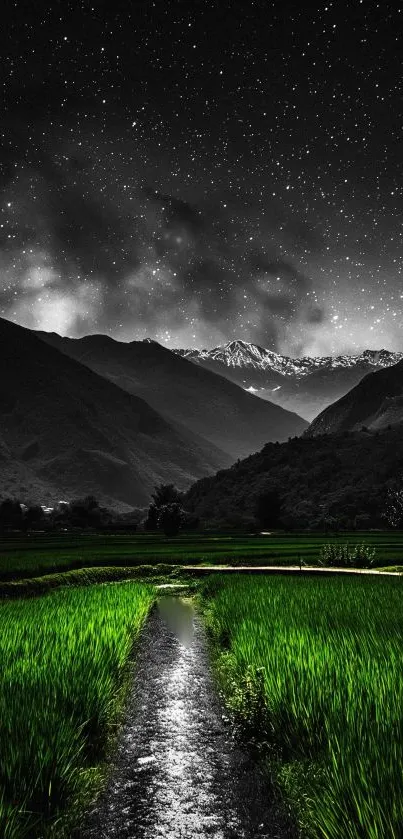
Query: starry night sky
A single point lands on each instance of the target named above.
(201, 171)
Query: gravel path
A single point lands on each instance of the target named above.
(178, 773)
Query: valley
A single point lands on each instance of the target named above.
(244, 716)
(201, 416)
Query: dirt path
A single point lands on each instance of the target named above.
(178, 773)
(307, 570)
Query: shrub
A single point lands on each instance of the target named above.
(347, 556)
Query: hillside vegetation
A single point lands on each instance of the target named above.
(376, 403)
(337, 480)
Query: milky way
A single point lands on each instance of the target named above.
(202, 172)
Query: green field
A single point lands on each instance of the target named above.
(314, 668)
(63, 664)
(38, 554)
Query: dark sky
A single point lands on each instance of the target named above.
(202, 171)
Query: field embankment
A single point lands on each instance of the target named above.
(312, 668)
(62, 683)
(37, 586)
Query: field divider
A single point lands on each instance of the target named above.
(38, 586)
(284, 569)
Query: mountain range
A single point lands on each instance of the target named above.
(95, 415)
(67, 430)
(305, 385)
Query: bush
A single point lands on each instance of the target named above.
(347, 556)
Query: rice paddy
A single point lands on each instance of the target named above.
(64, 658)
(313, 668)
(37, 554)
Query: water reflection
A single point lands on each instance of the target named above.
(178, 613)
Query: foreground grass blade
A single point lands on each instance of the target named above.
(63, 661)
(314, 668)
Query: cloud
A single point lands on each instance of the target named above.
(60, 310)
(177, 212)
(81, 253)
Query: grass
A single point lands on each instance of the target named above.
(64, 660)
(313, 668)
(37, 554)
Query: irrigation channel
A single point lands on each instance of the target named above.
(179, 771)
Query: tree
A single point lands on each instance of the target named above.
(11, 515)
(170, 519)
(33, 517)
(268, 507)
(151, 522)
(86, 512)
(393, 512)
(166, 494)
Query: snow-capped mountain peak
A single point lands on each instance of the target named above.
(239, 354)
(243, 354)
(304, 385)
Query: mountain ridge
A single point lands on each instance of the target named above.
(336, 480)
(374, 403)
(206, 403)
(64, 430)
(243, 354)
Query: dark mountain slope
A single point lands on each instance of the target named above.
(376, 402)
(66, 431)
(341, 476)
(207, 404)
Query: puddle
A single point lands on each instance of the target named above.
(177, 614)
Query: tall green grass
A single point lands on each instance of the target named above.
(63, 660)
(315, 667)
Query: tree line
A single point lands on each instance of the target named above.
(166, 514)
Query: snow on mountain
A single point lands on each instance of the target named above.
(242, 354)
(304, 385)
